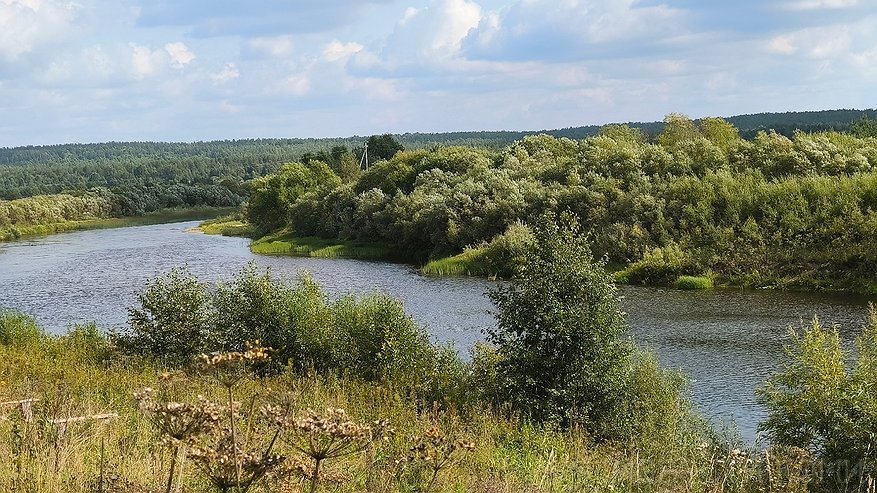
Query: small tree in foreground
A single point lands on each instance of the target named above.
(822, 403)
(558, 332)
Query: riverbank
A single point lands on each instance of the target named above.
(473, 262)
(13, 233)
(285, 243)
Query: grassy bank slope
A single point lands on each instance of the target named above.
(286, 243)
(13, 232)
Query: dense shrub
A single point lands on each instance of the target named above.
(826, 403)
(171, 322)
(18, 329)
(369, 338)
(558, 332)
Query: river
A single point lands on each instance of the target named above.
(726, 341)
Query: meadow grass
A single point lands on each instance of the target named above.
(227, 226)
(116, 442)
(469, 263)
(126, 453)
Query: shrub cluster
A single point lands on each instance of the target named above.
(368, 337)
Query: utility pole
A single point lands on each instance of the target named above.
(364, 158)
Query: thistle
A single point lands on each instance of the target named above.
(178, 422)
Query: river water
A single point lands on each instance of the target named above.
(726, 341)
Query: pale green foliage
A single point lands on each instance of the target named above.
(820, 403)
(678, 128)
(18, 329)
(658, 265)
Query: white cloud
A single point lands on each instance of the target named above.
(228, 72)
(820, 43)
(144, 61)
(781, 45)
(434, 32)
(179, 53)
(29, 25)
(275, 47)
(296, 85)
(337, 50)
(572, 29)
(821, 4)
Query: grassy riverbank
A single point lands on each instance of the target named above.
(11, 233)
(77, 376)
(286, 243)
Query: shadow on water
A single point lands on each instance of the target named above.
(726, 341)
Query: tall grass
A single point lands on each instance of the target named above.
(510, 454)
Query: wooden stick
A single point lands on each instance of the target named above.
(93, 417)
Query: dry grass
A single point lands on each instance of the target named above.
(382, 441)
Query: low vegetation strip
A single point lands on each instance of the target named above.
(14, 232)
(284, 243)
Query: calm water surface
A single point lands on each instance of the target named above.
(726, 342)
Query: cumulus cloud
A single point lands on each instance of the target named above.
(272, 47)
(145, 61)
(437, 30)
(179, 53)
(572, 29)
(29, 25)
(295, 85)
(228, 72)
(821, 4)
(816, 43)
(337, 50)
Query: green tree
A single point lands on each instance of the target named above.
(864, 127)
(677, 128)
(557, 334)
(383, 147)
(171, 322)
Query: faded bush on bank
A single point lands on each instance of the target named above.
(825, 401)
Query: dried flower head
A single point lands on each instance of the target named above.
(178, 420)
(227, 466)
(228, 367)
(328, 436)
(438, 451)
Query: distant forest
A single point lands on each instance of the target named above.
(145, 175)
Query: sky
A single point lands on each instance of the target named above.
(189, 70)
